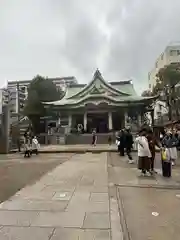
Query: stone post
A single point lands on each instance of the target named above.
(85, 121)
(110, 125)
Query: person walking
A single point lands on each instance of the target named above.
(121, 142)
(129, 144)
(94, 138)
(110, 140)
(144, 153)
(27, 147)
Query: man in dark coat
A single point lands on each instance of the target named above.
(129, 144)
(121, 146)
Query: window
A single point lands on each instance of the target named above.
(178, 52)
(162, 56)
(173, 52)
(156, 64)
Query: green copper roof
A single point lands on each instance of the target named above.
(125, 86)
(72, 90)
(97, 91)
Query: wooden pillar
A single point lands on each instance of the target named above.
(110, 124)
(139, 120)
(125, 119)
(70, 120)
(59, 120)
(85, 121)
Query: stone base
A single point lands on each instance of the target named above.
(3, 146)
(102, 138)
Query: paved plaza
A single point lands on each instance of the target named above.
(78, 148)
(93, 196)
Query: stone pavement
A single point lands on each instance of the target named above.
(69, 203)
(94, 196)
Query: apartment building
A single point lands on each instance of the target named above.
(170, 55)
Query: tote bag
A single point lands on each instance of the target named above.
(165, 155)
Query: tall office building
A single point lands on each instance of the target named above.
(170, 55)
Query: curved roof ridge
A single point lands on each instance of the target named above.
(98, 75)
(117, 100)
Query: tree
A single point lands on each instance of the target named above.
(40, 90)
(169, 75)
(167, 78)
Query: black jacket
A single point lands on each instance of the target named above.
(129, 140)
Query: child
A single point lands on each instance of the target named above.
(35, 145)
(27, 147)
(94, 138)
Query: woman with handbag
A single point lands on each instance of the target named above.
(166, 162)
(170, 142)
(169, 153)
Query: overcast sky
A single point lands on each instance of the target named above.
(74, 37)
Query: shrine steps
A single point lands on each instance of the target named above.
(102, 138)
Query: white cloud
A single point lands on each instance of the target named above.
(74, 37)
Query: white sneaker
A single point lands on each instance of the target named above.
(173, 163)
(131, 161)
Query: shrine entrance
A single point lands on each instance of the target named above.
(118, 120)
(98, 121)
